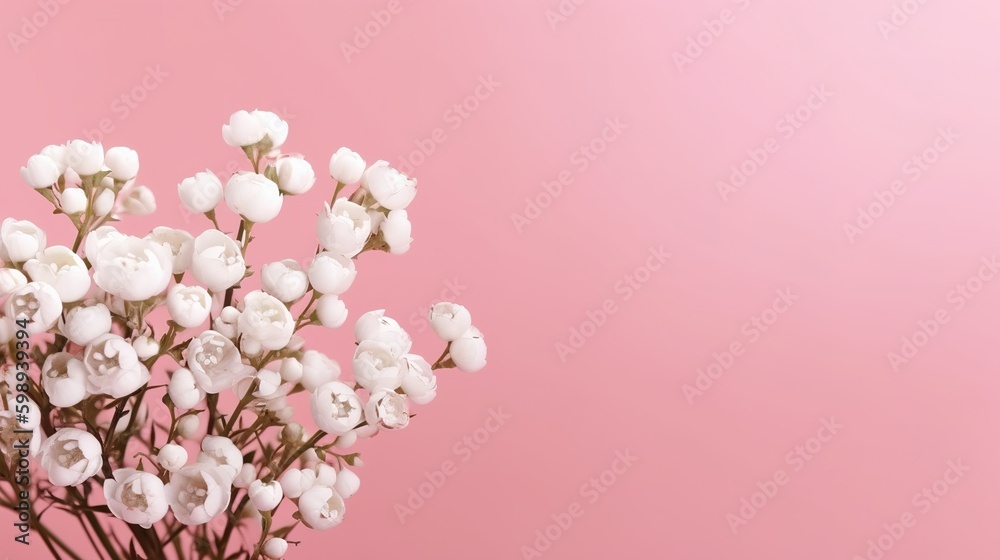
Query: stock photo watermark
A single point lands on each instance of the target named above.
(698, 43)
(625, 289)
(129, 100)
(366, 33)
(786, 127)
(752, 331)
(590, 492)
(913, 169)
(579, 161)
(463, 451)
(957, 298)
(795, 460)
(900, 16)
(33, 24)
(454, 117)
(923, 502)
(562, 12)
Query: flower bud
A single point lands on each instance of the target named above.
(332, 311)
(188, 426)
(292, 434)
(275, 548)
(172, 457)
(330, 273)
(396, 231)
(391, 189)
(291, 370)
(139, 201)
(86, 158)
(145, 347)
(123, 163)
(201, 193)
(253, 196)
(346, 166)
(104, 202)
(296, 481)
(73, 201)
(41, 172)
(347, 483)
(469, 351)
(245, 478)
(295, 175)
(84, 324)
(11, 280)
(317, 369)
(265, 496)
(189, 307)
(285, 280)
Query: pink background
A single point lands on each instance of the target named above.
(656, 184)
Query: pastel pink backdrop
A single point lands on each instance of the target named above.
(656, 184)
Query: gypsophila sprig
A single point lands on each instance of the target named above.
(98, 331)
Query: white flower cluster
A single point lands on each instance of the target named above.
(231, 446)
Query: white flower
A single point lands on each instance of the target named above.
(113, 367)
(58, 154)
(419, 382)
(84, 157)
(145, 347)
(332, 311)
(70, 457)
(202, 193)
(344, 228)
(321, 508)
(249, 128)
(348, 483)
(317, 369)
(215, 362)
(387, 409)
(285, 280)
(184, 392)
(392, 189)
(449, 320)
(330, 273)
(294, 482)
(136, 497)
(247, 475)
(469, 351)
(377, 367)
(11, 280)
(227, 322)
(295, 175)
(346, 166)
(336, 408)
(374, 325)
(218, 262)
(396, 231)
(40, 172)
(132, 269)
(99, 239)
(62, 269)
(244, 129)
(266, 320)
(180, 244)
(64, 379)
(275, 548)
(253, 196)
(83, 324)
(104, 203)
(291, 370)
(172, 457)
(73, 201)
(189, 306)
(20, 240)
(197, 493)
(123, 163)
(221, 451)
(139, 201)
(38, 303)
(325, 475)
(265, 496)
(188, 426)
(269, 386)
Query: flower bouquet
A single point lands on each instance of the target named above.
(98, 333)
